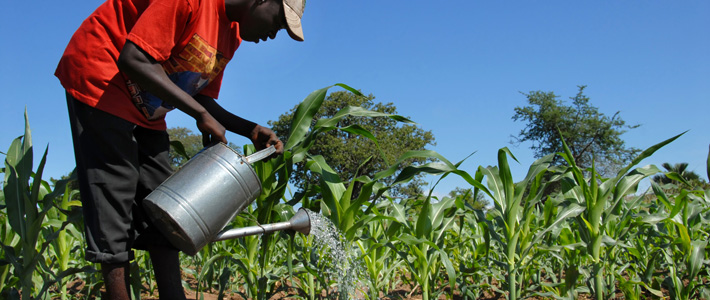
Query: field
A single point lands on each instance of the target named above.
(561, 232)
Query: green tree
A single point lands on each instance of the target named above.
(478, 201)
(352, 155)
(681, 170)
(191, 142)
(590, 135)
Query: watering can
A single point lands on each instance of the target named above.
(194, 204)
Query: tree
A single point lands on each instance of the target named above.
(191, 142)
(352, 155)
(479, 202)
(590, 135)
(681, 169)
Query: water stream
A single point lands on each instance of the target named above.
(339, 257)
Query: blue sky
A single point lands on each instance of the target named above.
(456, 68)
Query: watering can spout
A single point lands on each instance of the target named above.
(300, 222)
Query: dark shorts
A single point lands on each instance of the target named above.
(118, 163)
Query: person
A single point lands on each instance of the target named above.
(129, 63)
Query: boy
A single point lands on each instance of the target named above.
(127, 65)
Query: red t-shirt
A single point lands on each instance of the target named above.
(193, 40)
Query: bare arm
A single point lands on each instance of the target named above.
(260, 136)
(149, 74)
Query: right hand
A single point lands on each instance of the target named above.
(212, 131)
(263, 137)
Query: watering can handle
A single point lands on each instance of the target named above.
(260, 155)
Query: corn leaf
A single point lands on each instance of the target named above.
(433, 168)
(450, 271)
(646, 153)
(357, 111)
(332, 188)
(696, 259)
(448, 166)
(629, 183)
(347, 87)
(506, 177)
(15, 202)
(398, 212)
(359, 130)
(568, 212)
(661, 195)
(423, 227)
(495, 186)
(439, 210)
(179, 149)
(683, 236)
(303, 116)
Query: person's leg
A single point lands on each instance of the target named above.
(106, 158)
(154, 147)
(166, 264)
(116, 277)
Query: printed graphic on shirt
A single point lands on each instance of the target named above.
(191, 70)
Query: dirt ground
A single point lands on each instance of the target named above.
(401, 292)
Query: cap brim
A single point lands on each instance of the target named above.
(293, 20)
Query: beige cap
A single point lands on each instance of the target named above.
(294, 12)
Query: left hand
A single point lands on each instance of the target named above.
(263, 137)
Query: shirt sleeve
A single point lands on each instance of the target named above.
(161, 27)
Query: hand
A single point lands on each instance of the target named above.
(263, 137)
(212, 131)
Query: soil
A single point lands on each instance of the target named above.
(400, 292)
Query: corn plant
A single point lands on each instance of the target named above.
(338, 200)
(65, 219)
(514, 214)
(424, 239)
(421, 243)
(274, 177)
(642, 251)
(644, 259)
(472, 253)
(307, 269)
(225, 266)
(274, 174)
(686, 244)
(565, 250)
(380, 260)
(595, 231)
(601, 202)
(28, 199)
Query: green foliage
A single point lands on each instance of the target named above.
(685, 243)
(595, 234)
(184, 144)
(421, 244)
(679, 173)
(37, 225)
(600, 202)
(515, 211)
(590, 135)
(363, 146)
(477, 201)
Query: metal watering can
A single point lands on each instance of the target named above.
(194, 204)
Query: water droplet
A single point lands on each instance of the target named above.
(339, 257)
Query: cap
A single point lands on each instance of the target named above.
(294, 12)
